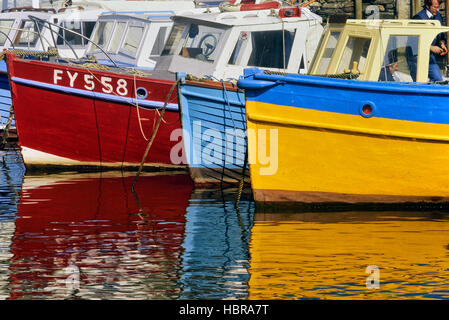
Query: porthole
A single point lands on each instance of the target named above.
(141, 93)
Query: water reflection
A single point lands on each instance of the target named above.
(11, 177)
(325, 255)
(72, 236)
(216, 258)
(87, 236)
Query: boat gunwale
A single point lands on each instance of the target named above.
(397, 87)
(213, 85)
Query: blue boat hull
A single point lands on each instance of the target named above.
(5, 97)
(214, 132)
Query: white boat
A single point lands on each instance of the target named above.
(222, 44)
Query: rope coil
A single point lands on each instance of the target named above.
(22, 52)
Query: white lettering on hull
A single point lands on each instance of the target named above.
(107, 83)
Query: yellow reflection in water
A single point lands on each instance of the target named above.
(325, 255)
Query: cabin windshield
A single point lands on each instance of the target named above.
(132, 40)
(200, 42)
(5, 27)
(173, 40)
(356, 50)
(117, 37)
(28, 33)
(102, 35)
(263, 49)
(328, 51)
(400, 59)
(159, 42)
(82, 27)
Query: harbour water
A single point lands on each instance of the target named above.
(88, 236)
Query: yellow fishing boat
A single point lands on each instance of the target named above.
(370, 130)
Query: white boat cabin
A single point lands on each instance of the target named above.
(133, 39)
(378, 50)
(61, 27)
(223, 44)
(40, 28)
(18, 31)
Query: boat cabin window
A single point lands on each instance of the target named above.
(28, 33)
(159, 42)
(356, 50)
(201, 42)
(132, 40)
(117, 37)
(173, 40)
(268, 49)
(400, 59)
(82, 27)
(328, 51)
(5, 27)
(103, 34)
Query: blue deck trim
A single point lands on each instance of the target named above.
(396, 87)
(150, 104)
(190, 93)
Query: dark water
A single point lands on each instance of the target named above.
(86, 235)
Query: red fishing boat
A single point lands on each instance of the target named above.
(75, 116)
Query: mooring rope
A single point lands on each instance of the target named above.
(242, 179)
(150, 143)
(346, 75)
(21, 52)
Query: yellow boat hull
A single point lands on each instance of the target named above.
(333, 157)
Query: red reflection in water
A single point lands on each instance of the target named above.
(97, 225)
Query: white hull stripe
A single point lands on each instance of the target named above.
(40, 158)
(97, 95)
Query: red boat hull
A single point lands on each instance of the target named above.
(74, 116)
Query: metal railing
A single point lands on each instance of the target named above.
(44, 23)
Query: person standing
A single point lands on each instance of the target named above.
(438, 46)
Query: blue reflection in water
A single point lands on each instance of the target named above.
(12, 171)
(11, 178)
(216, 257)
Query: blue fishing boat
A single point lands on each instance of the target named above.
(355, 135)
(212, 110)
(214, 131)
(5, 96)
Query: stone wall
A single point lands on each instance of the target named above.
(382, 9)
